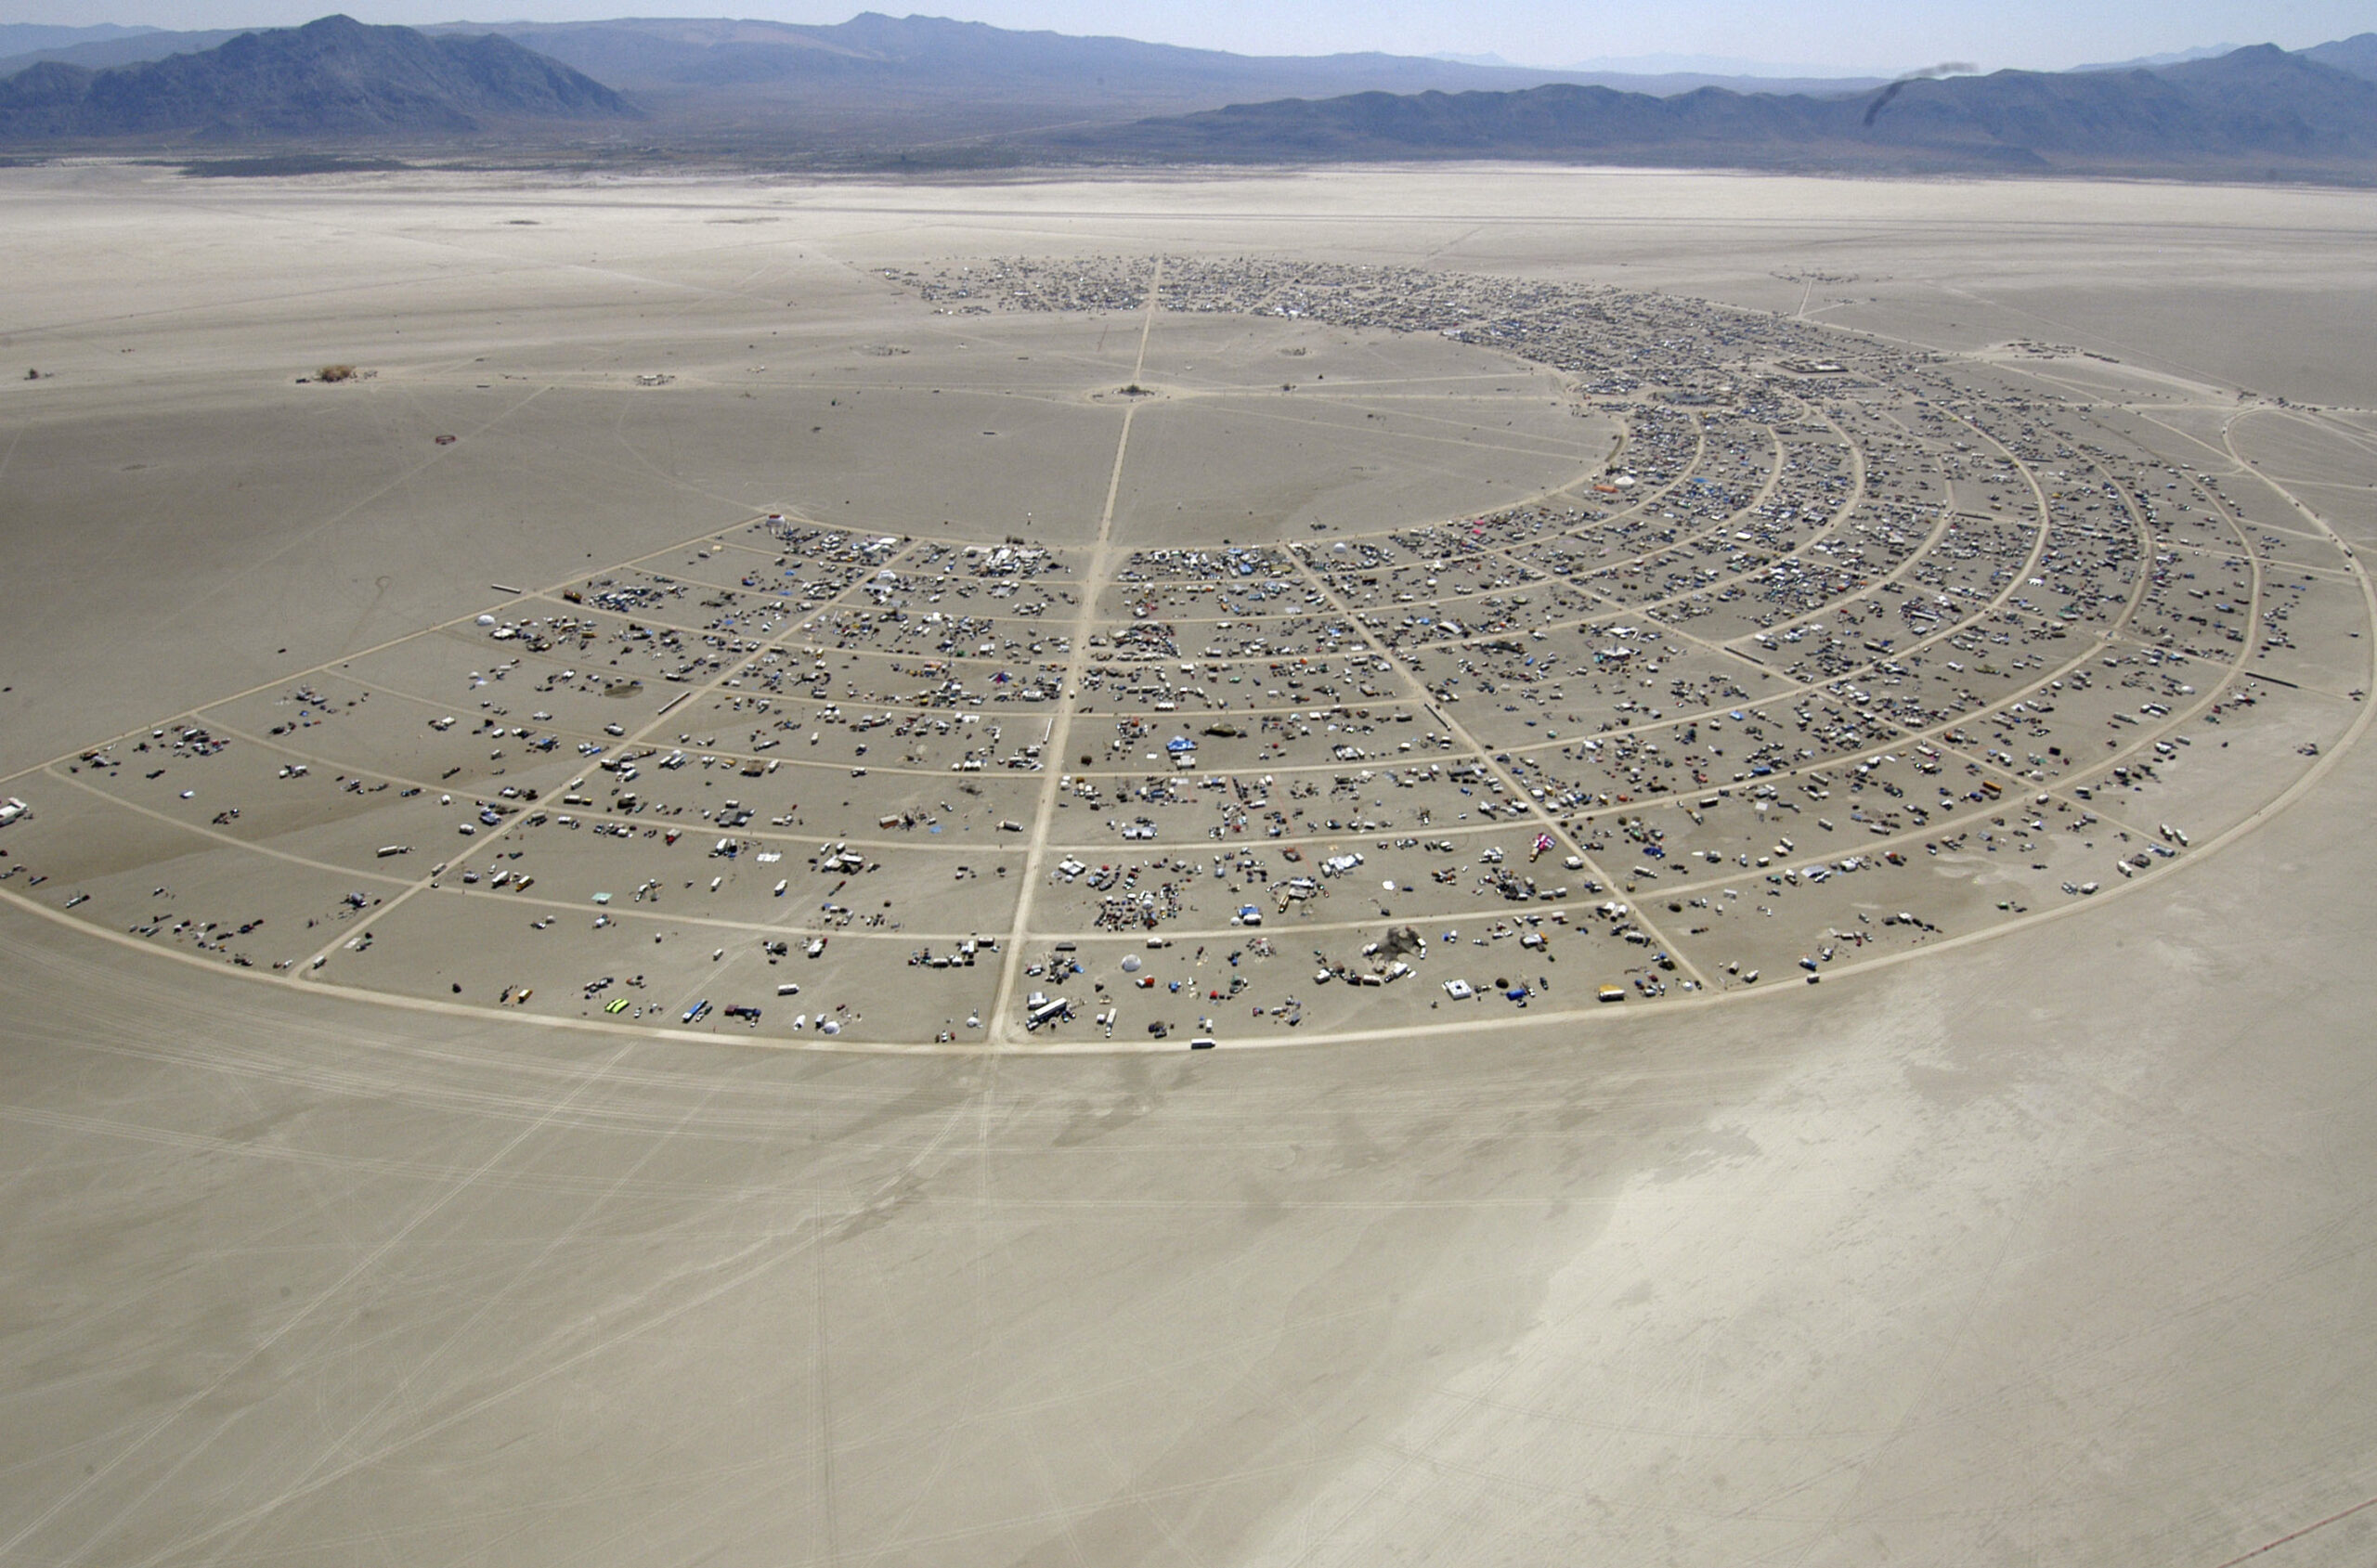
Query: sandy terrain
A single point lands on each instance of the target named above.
(2031, 1234)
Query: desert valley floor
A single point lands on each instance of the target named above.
(1754, 781)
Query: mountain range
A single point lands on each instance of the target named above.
(923, 91)
(2356, 54)
(335, 78)
(19, 37)
(672, 55)
(2258, 109)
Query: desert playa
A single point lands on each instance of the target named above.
(632, 804)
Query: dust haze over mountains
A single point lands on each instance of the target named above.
(926, 93)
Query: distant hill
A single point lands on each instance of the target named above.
(889, 83)
(2258, 108)
(17, 37)
(2356, 54)
(935, 52)
(1713, 69)
(107, 47)
(335, 78)
(2147, 62)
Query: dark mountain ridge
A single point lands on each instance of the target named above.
(697, 55)
(931, 93)
(334, 78)
(2259, 106)
(17, 37)
(126, 47)
(938, 53)
(2356, 54)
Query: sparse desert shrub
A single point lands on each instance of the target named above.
(335, 373)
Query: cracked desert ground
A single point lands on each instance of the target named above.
(878, 661)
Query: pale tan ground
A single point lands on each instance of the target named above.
(2050, 1247)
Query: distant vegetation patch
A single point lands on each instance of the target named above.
(289, 164)
(335, 373)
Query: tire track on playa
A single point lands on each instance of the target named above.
(758, 1258)
(50, 771)
(347, 1441)
(354, 1272)
(403, 478)
(2292, 1535)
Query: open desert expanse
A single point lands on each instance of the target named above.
(613, 899)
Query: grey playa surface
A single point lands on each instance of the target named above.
(2031, 1231)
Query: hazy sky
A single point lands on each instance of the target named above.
(1860, 34)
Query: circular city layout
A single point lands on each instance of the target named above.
(1774, 651)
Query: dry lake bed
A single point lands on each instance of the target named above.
(631, 801)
